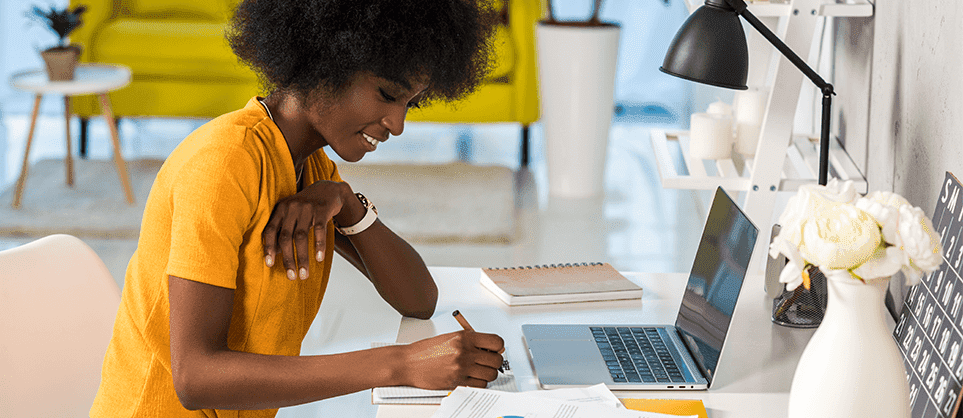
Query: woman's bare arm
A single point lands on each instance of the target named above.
(208, 375)
(393, 266)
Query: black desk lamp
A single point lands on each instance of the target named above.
(710, 48)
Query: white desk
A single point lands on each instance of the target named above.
(754, 374)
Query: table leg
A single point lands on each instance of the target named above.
(118, 158)
(69, 160)
(18, 195)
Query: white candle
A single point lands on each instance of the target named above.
(720, 107)
(747, 138)
(710, 136)
(750, 108)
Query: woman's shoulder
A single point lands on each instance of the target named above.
(244, 132)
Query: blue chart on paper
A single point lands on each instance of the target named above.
(930, 328)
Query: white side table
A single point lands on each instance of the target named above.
(96, 79)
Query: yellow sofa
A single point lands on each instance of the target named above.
(183, 67)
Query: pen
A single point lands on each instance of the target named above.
(467, 327)
(461, 320)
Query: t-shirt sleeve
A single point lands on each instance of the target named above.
(213, 200)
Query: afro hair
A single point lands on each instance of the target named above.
(301, 46)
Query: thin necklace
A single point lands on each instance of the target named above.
(266, 108)
(297, 182)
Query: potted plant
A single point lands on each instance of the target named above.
(61, 59)
(576, 69)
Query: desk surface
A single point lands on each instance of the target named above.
(754, 374)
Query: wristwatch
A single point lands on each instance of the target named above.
(371, 214)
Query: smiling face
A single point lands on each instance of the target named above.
(364, 114)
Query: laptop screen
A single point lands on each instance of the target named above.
(717, 273)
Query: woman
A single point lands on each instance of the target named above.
(239, 229)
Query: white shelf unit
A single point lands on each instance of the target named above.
(783, 160)
(734, 174)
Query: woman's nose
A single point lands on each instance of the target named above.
(394, 121)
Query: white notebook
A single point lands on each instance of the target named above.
(558, 283)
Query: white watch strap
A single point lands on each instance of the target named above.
(371, 214)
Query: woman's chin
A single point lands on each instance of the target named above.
(352, 158)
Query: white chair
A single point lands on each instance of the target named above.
(57, 309)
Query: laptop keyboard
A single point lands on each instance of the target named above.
(636, 354)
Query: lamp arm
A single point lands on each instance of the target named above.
(824, 135)
(742, 9)
(826, 88)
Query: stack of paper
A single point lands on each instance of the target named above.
(596, 401)
(407, 395)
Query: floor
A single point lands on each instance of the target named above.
(636, 225)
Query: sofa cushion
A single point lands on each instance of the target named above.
(211, 9)
(504, 53)
(169, 48)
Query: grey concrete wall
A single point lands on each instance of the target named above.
(911, 55)
(851, 73)
(900, 104)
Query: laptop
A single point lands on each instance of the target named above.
(658, 357)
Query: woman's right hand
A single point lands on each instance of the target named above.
(463, 358)
(295, 219)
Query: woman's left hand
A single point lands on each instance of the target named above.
(292, 220)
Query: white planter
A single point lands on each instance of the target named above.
(852, 366)
(576, 69)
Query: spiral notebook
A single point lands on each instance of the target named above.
(558, 283)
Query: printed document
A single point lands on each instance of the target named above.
(467, 402)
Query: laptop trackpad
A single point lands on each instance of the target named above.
(568, 362)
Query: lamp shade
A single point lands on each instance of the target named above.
(710, 48)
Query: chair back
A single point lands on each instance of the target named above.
(57, 307)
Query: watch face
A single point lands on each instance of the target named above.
(366, 203)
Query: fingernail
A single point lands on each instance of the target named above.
(320, 256)
(269, 261)
(304, 273)
(291, 275)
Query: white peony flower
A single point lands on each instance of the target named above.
(886, 261)
(867, 238)
(841, 192)
(840, 236)
(792, 272)
(809, 198)
(884, 206)
(919, 241)
(791, 275)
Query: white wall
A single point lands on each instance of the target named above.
(21, 40)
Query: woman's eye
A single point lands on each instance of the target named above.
(386, 96)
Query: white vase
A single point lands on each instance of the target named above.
(576, 70)
(852, 366)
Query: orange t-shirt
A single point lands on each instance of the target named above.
(203, 222)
